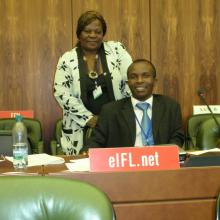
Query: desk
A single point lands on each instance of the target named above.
(187, 193)
(6, 167)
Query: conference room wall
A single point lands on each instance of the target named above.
(179, 36)
(185, 37)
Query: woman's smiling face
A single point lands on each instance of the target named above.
(91, 36)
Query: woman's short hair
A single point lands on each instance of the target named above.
(88, 17)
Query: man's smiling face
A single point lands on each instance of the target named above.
(141, 80)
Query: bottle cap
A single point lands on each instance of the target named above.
(18, 118)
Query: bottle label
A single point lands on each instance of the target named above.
(20, 155)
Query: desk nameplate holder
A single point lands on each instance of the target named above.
(13, 113)
(134, 158)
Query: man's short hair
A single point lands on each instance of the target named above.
(143, 61)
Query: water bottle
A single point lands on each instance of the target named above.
(20, 146)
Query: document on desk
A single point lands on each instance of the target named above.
(41, 159)
(200, 152)
(79, 165)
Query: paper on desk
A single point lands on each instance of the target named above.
(41, 159)
(21, 173)
(79, 165)
(199, 152)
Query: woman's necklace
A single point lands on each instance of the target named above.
(93, 74)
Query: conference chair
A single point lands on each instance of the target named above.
(195, 138)
(34, 133)
(218, 208)
(55, 143)
(45, 198)
(6, 143)
(208, 136)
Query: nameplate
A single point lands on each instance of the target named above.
(134, 158)
(12, 114)
(203, 109)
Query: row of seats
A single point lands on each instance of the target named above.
(35, 139)
(202, 133)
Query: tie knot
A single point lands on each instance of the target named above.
(143, 106)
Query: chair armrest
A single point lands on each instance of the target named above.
(40, 147)
(53, 147)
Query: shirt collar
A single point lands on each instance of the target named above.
(135, 101)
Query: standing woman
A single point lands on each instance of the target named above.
(87, 77)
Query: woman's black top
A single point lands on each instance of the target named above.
(88, 85)
(95, 104)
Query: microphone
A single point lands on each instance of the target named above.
(201, 93)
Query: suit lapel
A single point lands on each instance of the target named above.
(157, 113)
(128, 117)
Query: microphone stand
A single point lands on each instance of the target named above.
(213, 116)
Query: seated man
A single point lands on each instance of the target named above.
(144, 119)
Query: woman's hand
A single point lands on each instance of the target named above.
(92, 122)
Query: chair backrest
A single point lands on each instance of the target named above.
(208, 136)
(193, 127)
(34, 130)
(218, 208)
(36, 198)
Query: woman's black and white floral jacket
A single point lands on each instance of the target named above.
(68, 91)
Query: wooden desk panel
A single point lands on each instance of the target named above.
(185, 183)
(176, 210)
(187, 193)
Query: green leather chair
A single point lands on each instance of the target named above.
(55, 144)
(193, 141)
(34, 132)
(6, 143)
(208, 136)
(50, 198)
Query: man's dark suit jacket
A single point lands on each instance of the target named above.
(116, 126)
